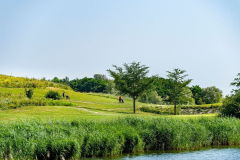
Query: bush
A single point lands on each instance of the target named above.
(231, 106)
(29, 93)
(53, 95)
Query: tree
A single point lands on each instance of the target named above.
(56, 80)
(66, 80)
(177, 85)
(197, 94)
(231, 106)
(110, 87)
(150, 97)
(211, 95)
(100, 76)
(186, 97)
(162, 86)
(132, 80)
(236, 83)
(88, 85)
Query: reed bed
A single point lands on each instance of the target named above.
(73, 139)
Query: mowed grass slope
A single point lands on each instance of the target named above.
(85, 105)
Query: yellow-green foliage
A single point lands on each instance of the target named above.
(21, 82)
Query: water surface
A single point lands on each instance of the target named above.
(216, 153)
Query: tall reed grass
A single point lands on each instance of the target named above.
(57, 139)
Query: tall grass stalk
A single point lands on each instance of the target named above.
(55, 139)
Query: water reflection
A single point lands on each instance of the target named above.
(219, 153)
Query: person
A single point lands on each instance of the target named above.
(120, 99)
(67, 97)
(63, 94)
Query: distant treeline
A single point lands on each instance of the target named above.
(159, 95)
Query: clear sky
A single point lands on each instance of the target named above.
(74, 38)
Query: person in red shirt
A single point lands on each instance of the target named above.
(120, 99)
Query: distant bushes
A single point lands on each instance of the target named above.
(73, 139)
(53, 95)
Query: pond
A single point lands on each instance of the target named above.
(213, 153)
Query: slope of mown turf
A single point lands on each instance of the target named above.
(14, 104)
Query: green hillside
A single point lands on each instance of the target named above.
(14, 104)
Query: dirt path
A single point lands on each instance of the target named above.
(84, 109)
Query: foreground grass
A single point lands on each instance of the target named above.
(55, 139)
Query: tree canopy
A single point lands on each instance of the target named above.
(132, 80)
(236, 83)
(177, 86)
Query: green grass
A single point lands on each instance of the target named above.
(98, 125)
(73, 139)
(85, 105)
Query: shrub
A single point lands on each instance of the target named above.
(53, 95)
(29, 93)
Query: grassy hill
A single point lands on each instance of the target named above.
(14, 104)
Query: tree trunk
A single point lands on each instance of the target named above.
(175, 108)
(134, 111)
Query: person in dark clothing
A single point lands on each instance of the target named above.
(67, 97)
(63, 94)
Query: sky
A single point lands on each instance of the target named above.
(78, 38)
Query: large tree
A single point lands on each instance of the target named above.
(197, 94)
(100, 76)
(236, 83)
(211, 95)
(177, 86)
(132, 80)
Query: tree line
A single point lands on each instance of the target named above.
(132, 80)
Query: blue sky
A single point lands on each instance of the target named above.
(77, 38)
